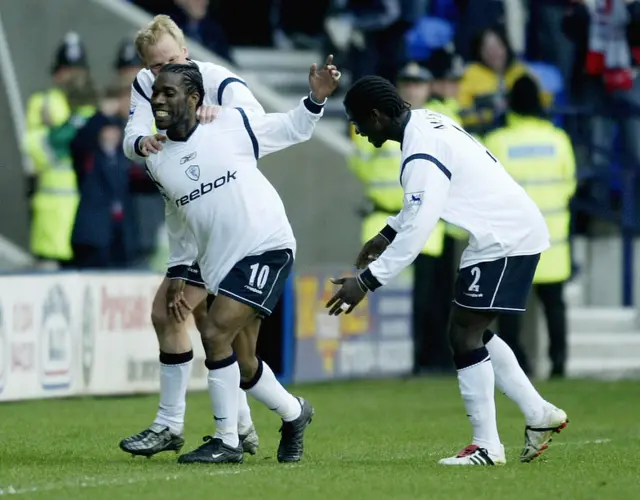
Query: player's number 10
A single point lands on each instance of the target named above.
(259, 276)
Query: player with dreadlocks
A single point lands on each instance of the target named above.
(181, 293)
(245, 244)
(447, 174)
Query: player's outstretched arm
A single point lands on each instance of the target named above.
(139, 139)
(276, 131)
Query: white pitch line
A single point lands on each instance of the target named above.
(96, 482)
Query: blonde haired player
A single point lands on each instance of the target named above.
(160, 43)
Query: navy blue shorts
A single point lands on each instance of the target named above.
(501, 285)
(191, 274)
(258, 280)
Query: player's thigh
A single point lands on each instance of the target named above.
(226, 318)
(159, 314)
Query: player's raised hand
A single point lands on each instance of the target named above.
(323, 82)
(152, 144)
(206, 114)
(371, 251)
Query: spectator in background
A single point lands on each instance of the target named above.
(104, 230)
(378, 31)
(192, 17)
(128, 63)
(486, 81)
(605, 81)
(447, 69)
(54, 197)
(546, 40)
(540, 158)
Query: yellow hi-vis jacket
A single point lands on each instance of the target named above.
(377, 169)
(540, 158)
(56, 197)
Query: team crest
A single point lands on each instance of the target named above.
(193, 172)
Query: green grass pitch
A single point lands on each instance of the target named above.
(369, 440)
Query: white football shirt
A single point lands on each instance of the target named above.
(213, 183)
(447, 174)
(223, 88)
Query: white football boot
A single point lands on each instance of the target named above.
(537, 435)
(474, 455)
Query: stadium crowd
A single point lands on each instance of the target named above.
(510, 72)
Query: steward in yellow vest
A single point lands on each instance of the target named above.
(55, 197)
(539, 156)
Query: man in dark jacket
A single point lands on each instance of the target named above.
(104, 231)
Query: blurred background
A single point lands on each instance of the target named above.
(551, 87)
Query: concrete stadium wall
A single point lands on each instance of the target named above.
(320, 194)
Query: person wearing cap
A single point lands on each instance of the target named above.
(128, 62)
(447, 69)
(539, 156)
(377, 169)
(55, 198)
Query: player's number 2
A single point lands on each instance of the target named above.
(475, 272)
(259, 276)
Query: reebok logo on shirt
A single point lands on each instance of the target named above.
(206, 189)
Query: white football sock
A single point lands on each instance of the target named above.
(174, 380)
(270, 392)
(477, 389)
(244, 413)
(223, 391)
(513, 382)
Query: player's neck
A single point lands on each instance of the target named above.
(183, 130)
(396, 129)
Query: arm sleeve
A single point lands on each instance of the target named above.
(273, 132)
(140, 122)
(234, 93)
(426, 187)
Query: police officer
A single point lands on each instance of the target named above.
(447, 69)
(540, 158)
(128, 63)
(54, 194)
(377, 169)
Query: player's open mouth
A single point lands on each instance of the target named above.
(161, 114)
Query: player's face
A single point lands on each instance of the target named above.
(166, 51)
(371, 127)
(170, 103)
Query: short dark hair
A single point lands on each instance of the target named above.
(190, 75)
(374, 92)
(525, 98)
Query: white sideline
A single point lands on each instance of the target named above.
(96, 482)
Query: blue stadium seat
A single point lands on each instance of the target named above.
(429, 33)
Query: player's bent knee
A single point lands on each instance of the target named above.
(248, 366)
